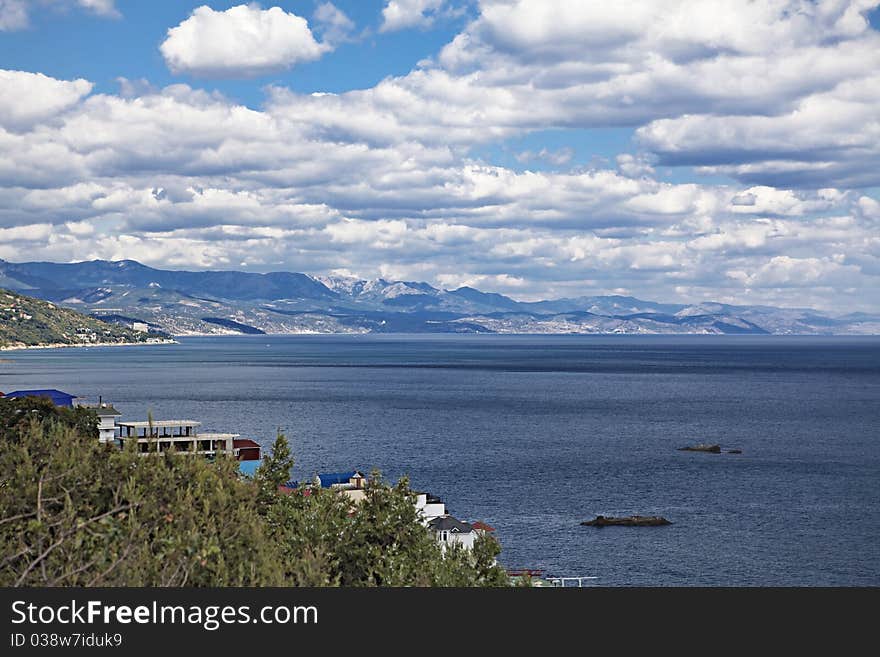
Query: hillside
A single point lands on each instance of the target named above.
(27, 322)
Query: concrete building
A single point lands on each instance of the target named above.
(177, 435)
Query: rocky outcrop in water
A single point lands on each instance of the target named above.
(712, 449)
(629, 521)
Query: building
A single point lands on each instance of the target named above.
(449, 531)
(429, 506)
(106, 421)
(351, 484)
(342, 480)
(246, 449)
(141, 327)
(177, 435)
(57, 397)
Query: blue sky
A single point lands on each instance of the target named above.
(681, 151)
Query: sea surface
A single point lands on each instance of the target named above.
(534, 434)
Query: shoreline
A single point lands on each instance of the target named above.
(62, 345)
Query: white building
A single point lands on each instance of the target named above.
(429, 506)
(449, 530)
(106, 420)
(177, 435)
(143, 327)
(107, 423)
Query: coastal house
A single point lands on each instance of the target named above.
(351, 484)
(449, 530)
(177, 435)
(107, 416)
(246, 449)
(57, 397)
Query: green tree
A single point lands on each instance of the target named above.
(275, 469)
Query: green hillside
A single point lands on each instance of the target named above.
(25, 321)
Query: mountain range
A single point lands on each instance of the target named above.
(212, 302)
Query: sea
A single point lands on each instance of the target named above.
(535, 434)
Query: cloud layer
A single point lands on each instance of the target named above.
(777, 98)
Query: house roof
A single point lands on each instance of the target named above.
(103, 409)
(450, 523)
(331, 478)
(482, 526)
(58, 397)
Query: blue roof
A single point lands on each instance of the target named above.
(248, 467)
(330, 478)
(58, 398)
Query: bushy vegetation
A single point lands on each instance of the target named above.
(25, 321)
(74, 512)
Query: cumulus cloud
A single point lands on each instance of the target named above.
(243, 41)
(402, 14)
(28, 98)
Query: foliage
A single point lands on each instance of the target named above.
(274, 471)
(25, 321)
(74, 512)
(20, 411)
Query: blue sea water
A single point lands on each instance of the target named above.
(534, 434)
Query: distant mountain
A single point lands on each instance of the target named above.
(26, 322)
(64, 279)
(187, 302)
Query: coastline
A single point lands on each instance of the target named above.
(62, 345)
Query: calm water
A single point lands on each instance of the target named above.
(535, 434)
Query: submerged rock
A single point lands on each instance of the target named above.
(629, 521)
(712, 449)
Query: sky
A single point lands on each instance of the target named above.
(674, 150)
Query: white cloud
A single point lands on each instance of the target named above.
(785, 271)
(243, 41)
(402, 14)
(336, 26)
(827, 138)
(100, 7)
(557, 157)
(635, 166)
(13, 15)
(27, 98)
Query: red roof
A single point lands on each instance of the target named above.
(482, 526)
(244, 442)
